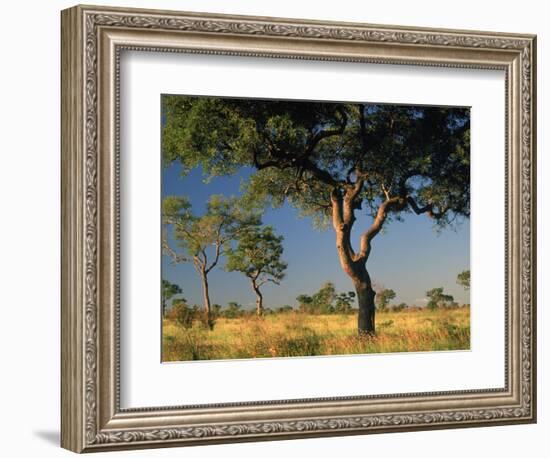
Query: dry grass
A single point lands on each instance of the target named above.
(295, 334)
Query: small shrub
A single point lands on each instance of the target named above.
(233, 310)
(284, 309)
(183, 315)
(308, 343)
(398, 308)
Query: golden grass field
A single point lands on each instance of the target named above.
(298, 334)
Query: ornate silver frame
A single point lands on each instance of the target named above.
(92, 39)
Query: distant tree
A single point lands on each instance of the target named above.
(305, 303)
(233, 310)
(321, 302)
(344, 302)
(437, 299)
(383, 298)
(324, 298)
(331, 160)
(169, 290)
(216, 310)
(258, 256)
(182, 314)
(202, 240)
(285, 309)
(463, 279)
(399, 307)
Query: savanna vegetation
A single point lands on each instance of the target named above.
(321, 324)
(330, 161)
(286, 333)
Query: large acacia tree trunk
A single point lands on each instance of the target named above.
(367, 309)
(359, 275)
(354, 264)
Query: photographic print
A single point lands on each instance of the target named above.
(307, 228)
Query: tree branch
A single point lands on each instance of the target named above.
(419, 210)
(337, 218)
(428, 208)
(216, 257)
(176, 258)
(349, 200)
(265, 280)
(316, 138)
(376, 227)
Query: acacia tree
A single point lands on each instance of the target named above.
(331, 160)
(320, 302)
(463, 279)
(344, 301)
(258, 256)
(169, 290)
(438, 299)
(384, 296)
(202, 240)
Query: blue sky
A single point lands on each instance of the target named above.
(408, 257)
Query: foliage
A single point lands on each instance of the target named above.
(284, 309)
(321, 302)
(169, 290)
(463, 279)
(258, 256)
(383, 298)
(399, 307)
(326, 301)
(344, 302)
(438, 299)
(223, 219)
(305, 303)
(184, 315)
(303, 150)
(233, 310)
(216, 310)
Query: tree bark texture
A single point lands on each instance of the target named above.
(354, 264)
(206, 301)
(259, 299)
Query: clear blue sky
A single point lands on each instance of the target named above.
(409, 257)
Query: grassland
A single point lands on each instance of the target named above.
(297, 334)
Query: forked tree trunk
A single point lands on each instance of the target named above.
(259, 299)
(354, 264)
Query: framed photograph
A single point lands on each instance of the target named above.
(277, 228)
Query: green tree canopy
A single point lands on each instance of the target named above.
(383, 298)
(437, 299)
(169, 290)
(344, 302)
(258, 256)
(233, 310)
(321, 302)
(463, 279)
